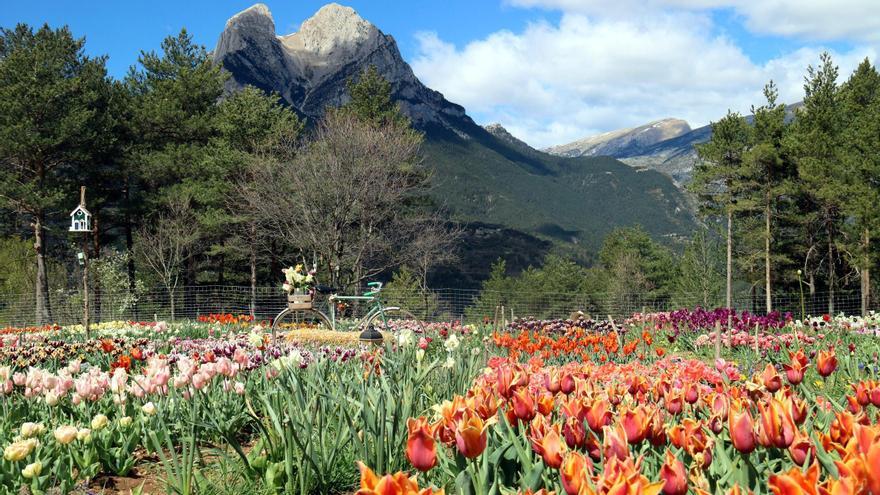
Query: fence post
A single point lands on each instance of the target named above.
(717, 339)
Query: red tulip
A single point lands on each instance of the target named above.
(826, 363)
(523, 404)
(795, 371)
(674, 476)
(614, 442)
(799, 449)
(420, 447)
(636, 423)
(574, 433)
(742, 428)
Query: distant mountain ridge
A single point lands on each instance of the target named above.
(674, 156)
(623, 142)
(483, 175)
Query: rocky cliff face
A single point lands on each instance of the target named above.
(309, 68)
(623, 142)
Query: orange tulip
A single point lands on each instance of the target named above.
(549, 447)
(826, 363)
(777, 426)
(794, 482)
(546, 403)
(866, 447)
(742, 428)
(598, 415)
(771, 379)
(842, 427)
(420, 448)
(573, 472)
(397, 484)
(674, 476)
(470, 434)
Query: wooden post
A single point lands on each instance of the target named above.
(85, 271)
(757, 352)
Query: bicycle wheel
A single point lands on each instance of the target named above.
(393, 313)
(297, 319)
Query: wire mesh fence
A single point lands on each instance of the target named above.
(434, 305)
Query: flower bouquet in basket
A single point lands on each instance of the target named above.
(298, 284)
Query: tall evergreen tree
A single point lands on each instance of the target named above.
(717, 180)
(53, 119)
(767, 179)
(816, 144)
(174, 113)
(860, 100)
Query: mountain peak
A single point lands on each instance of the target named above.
(503, 134)
(335, 30)
(624, 142)
(257, 14)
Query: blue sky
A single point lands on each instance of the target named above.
(120, 29)
(551, 71)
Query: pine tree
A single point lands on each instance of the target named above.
(371, 99)
(53, 120)
(815, 142)
(767, 180)
(860, 100)
(717, 181)
(174, 115)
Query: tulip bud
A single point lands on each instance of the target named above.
(32, 470)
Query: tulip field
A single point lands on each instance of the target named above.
(641, 406)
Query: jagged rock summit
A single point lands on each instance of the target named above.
(623, 142)
(503, 134)
(309, 68)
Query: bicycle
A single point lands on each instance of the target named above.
(308, 314)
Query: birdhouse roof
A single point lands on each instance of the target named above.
(80, 208)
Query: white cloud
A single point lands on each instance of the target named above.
(817, 20)
(554, 83)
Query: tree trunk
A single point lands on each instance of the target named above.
(830, 274)
(129, 246)
(41, 290)
(768, 294)
(729, 300)
(865, 274)
(171, 302)
(221, 270)
(253, 283)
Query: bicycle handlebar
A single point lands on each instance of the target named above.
(377, 288)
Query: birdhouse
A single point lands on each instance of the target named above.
(80, 220)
